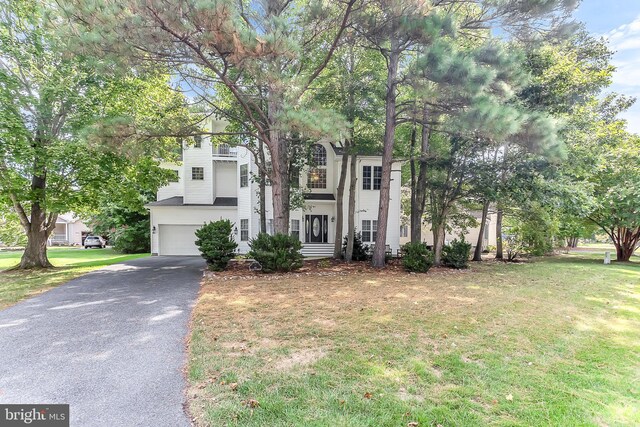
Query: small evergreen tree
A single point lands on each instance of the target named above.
(417, 257)
(360, 250)
(456, 254)
(280, 252)
(216, 243)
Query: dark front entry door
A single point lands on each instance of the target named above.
(316, 228)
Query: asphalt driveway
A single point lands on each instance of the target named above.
(110, 343)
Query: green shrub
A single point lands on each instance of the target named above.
(279, 252)
(216, 243)
(360, 250)
(456, 254)
(131, 239)
(417, 257)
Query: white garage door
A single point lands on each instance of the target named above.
(178, 239)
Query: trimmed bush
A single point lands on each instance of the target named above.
(279, 252)
(360, 250)
(456, 254)
(417, 257)
(216, 243)
(131, 239)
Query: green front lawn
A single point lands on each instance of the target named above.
(69, 262)
(554, 342)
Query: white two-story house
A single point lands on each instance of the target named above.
(215, 182)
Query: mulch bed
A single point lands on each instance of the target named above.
(319, 267)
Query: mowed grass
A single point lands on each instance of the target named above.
(554, 342)
(69, 262)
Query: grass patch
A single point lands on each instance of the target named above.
(550, 342)
(69, 262)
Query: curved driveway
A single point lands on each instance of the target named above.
(110, 343)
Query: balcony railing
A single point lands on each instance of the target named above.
(225, 150)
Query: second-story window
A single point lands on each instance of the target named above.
(197, 141)
(175, 176)
(197, 174)
(244, 175)
(317, 178)
(371, 177)
(377, 177)
(319, 155)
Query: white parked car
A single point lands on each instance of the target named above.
(94, 242)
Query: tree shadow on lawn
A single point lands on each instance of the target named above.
(572, 260)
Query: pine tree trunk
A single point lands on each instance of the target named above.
(438, 242)
(499, 253)
(477, 254)
(280, 183)
(420, 199)
(262, 189)
(337, 245)
(503, 179)
(379, 253)
(414, 220)
(351, 218)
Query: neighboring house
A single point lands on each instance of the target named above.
(215, 182)
(69, 231)
(470, 236)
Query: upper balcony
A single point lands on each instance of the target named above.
(224, 150)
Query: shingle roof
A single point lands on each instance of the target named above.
(171, 201)
(225, 201)
(179, 201)
(319, 196)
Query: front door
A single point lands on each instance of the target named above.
(316, 228)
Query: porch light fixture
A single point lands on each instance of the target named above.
(153, 230)
(235, 230)
(333, 219)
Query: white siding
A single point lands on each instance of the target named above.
(172, 188)
(75, 232)
(185, 215)
(198, 191)
(225, 179)
(245, 198)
